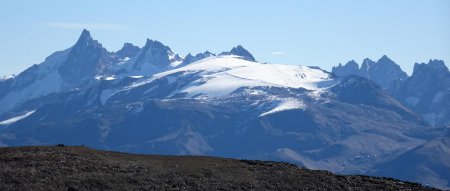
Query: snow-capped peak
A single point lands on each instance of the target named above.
(220, 75)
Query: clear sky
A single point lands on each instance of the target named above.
(305, 32)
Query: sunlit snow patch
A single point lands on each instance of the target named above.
(7, 77)
(110, 78)
(15, 119)
(286, 104)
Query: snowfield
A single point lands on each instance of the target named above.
(286, 104)
(16, 119)
(221, 75)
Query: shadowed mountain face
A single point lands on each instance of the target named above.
(128, 50)
(86, 58)
(384, 72)
(240, 51)
(191, 59)
(423, 162)
(228, 105)
(426, 91)
(154, 53)
(79, 168)
(351, 68)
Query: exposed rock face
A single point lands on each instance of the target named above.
(128, 50)
(190, 59)
(422, 162)
(240, 51)
(384, 72)
(154, 53)
(86, 59)
(426, 92)
(351, 68)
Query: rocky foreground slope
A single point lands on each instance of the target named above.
(80, 168)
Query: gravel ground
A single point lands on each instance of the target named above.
(81, 168)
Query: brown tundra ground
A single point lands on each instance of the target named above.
(81, 168)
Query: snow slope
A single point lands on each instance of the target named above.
(221, 75)
(49, 84)
(15, 119)
(286, 104)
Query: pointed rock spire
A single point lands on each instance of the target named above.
(190, 59)
(154, 53)
(385, 60)
(366, 65)
(85, 59)
(85, 38)
(438, 65)
(240, 51)
(85, 34)
(433, 67)
(154, 44)
(350, 67)
(128, 50)
(385, 72)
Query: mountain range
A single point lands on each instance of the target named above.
(426, 91)
(151, 100)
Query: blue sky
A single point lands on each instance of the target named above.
(305, 32)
